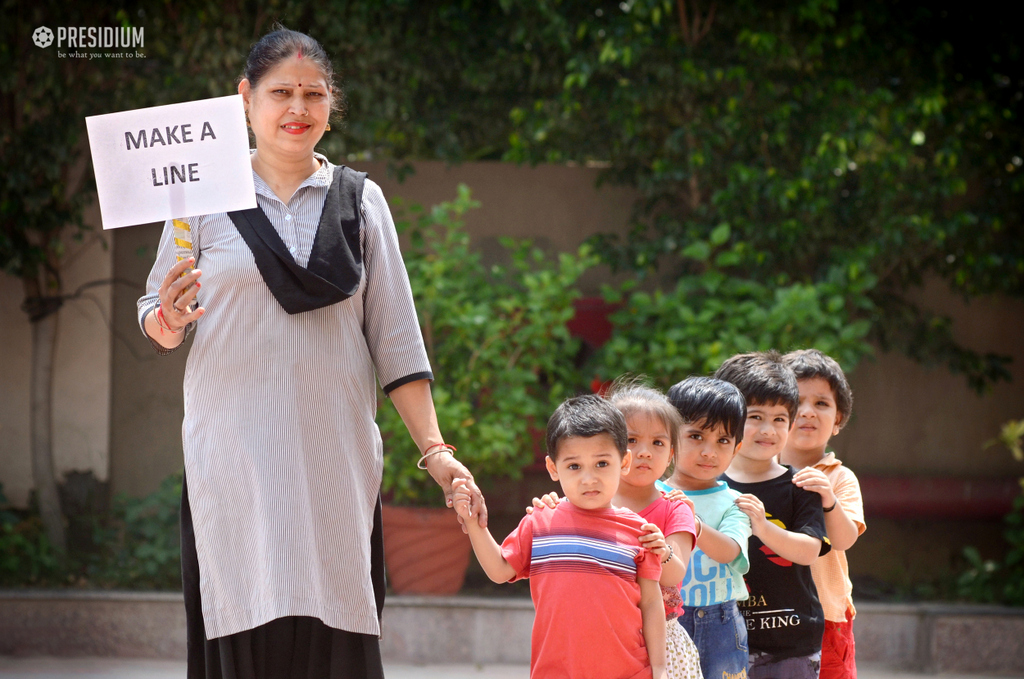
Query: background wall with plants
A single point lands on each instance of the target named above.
(497, 340)
(803, 167)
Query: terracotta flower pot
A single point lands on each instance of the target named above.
(425, 550)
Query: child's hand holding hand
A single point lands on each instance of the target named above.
(754, 509)
(676, 495)
(550, 501)
(654, 541)
(815, 480)
(462, 498)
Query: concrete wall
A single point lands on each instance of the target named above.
(82, 370)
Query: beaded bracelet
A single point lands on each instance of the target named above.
(442, 448)
(668, 558)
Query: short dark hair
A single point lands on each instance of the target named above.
(282, 44)
(807, 364)
(710, 403)
(763, 379)
(631, 396)
(584, 417)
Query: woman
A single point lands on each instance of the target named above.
(296, 306)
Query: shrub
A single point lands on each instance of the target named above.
(709, 316)
(25, 554)
(498, 344)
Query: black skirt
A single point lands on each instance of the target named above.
(293, 647)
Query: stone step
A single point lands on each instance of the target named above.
(474, 630)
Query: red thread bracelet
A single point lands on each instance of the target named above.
(161, 322)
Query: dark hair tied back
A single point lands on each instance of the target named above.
(282, 44)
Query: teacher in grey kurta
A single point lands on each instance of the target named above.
(298, 308)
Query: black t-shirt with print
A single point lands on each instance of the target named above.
(783, 614)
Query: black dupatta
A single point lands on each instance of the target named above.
(335, 263)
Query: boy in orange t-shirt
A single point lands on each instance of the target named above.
(826, 402)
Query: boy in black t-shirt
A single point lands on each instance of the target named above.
(783, 615)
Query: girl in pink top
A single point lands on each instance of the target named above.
(653, 425)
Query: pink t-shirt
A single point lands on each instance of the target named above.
(584, 567)
(671, 517)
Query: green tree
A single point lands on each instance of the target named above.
(498, 340)
(47, 178)
(865, 146)
(42, 194)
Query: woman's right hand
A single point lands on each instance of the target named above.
(177, 293)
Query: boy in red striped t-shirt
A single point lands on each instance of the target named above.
(595, 589)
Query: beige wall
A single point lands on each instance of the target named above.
(147, 405)
(82, 375)
(911, 419)
(556, 206)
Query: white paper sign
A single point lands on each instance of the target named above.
(174, 161)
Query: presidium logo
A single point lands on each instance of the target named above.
(42, 37)
(92, 37)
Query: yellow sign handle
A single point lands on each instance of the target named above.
(182, 240)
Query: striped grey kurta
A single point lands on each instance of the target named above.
(282, 455)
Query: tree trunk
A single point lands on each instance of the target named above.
(44, 344)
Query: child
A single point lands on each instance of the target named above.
(599, 606)
(784, 617)
(653, 428)
(825, 406)
(713, 415)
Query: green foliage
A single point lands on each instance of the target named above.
(140, 546)
(497, 342)
(877, 139)
(1011, 436)
(709, 317)
(25, 554)
(988, 581)
(136, 547)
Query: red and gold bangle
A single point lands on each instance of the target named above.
(441, 448)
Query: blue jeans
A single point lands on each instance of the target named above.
(720, 636)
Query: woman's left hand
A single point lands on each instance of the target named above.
(444, 469)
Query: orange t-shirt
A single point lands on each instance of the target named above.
(584, 568)
(831, 573)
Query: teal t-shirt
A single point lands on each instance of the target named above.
(708, 582)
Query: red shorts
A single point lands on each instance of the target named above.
(838, 651)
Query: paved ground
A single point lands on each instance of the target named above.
(107, 668)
